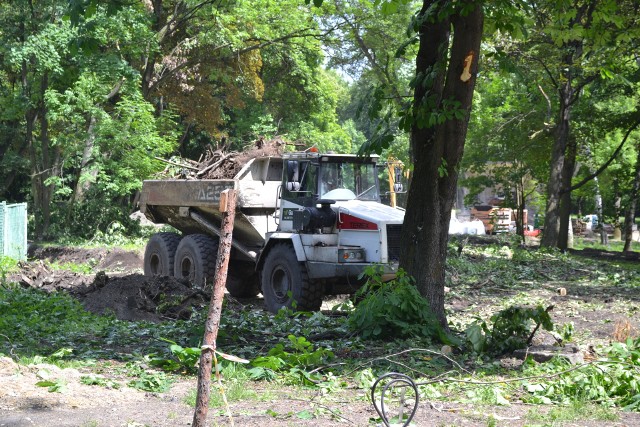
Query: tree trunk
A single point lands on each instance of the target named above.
(568, 170)
(629, 218)
(604, 239)
(520, 206)
(438, 149)
(83, 185)
(552, 216)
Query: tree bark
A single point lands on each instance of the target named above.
(214, 315)
(520, 207)
(565, 194)
(604, 239)
(630, 213)
(551, 235)
(437, 150)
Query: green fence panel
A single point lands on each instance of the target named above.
(3, 215)
(13, 230)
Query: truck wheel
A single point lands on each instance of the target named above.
(242, 280)
(285, 280)
(160, 253)
(195, 259)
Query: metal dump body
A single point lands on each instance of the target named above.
(175, 201)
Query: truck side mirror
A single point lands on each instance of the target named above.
(293, 186)
(397, 182)
(293, 180)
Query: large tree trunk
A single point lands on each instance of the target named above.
(552, 216)
(630, 213)
(437, 150)
(568, 171)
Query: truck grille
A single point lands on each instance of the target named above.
(393, 241)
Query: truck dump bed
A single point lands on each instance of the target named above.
(171, 201)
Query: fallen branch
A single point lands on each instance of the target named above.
(176, 164)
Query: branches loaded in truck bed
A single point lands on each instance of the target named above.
(220, 163)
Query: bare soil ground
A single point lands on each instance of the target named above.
(118, 286)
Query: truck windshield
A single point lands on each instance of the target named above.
(347, 181)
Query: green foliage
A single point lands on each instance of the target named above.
(184, 359)
(101, 381)
(235, 386)
(33, 321)
(393, 309)
(54, 386)
(511, 329)
(7, 266)
(146, 379)
(293, 364)
(573, 412)
(612, 380)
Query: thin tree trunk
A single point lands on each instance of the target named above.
(629, 218)
(83, 185)
(215, 312)
(437, 150)
(604, 239)
(520, 206)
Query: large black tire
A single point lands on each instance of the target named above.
(242, 280)
(160, 253)
(195, 259)
(285, 280)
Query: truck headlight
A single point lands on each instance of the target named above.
(351, 255)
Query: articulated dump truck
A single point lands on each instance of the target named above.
(306, 225)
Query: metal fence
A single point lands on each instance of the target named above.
(13, 230)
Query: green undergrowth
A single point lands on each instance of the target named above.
(594, 243)
(130, 237)
(507, 291)
(7, 266)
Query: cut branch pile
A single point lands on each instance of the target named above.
(220, 163)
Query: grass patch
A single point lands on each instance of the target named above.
(594, 243)
(233, 389)
(82, 268)
(576, 411)
(7, 266)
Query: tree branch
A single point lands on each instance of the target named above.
(546, 69)
(607, 163)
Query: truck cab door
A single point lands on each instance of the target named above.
(299, 189)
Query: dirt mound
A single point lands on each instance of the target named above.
(101, 258)
(138, 297)
(117, 287)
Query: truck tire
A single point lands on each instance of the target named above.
(242, 280)
(195, 259)
(285, 280)
(160, 253)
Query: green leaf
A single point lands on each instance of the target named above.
(305, 415)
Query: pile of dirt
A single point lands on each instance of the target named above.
(220, 164)
(136, 297)
(114, 284)
(111, 259)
